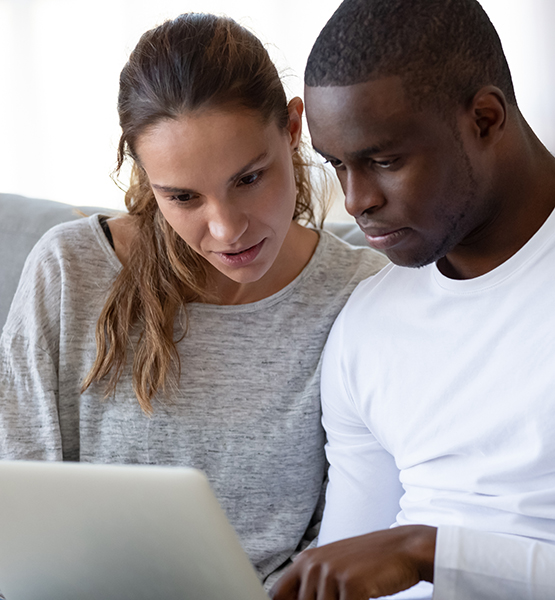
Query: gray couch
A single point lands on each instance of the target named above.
(23, 221)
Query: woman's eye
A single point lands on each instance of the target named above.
(182, 198)
(249, 179)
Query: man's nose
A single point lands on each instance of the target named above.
(362, 194)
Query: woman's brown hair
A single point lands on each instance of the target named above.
(193, 61)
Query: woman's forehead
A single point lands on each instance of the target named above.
(189, 151)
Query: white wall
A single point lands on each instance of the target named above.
(526, 31)
(60, 61)
(59, 68)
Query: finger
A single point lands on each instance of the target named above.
(286, 587)
(328, 588)
(310, 583)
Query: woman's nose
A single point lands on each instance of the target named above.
(227, 223)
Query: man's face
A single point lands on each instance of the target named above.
(407, 178)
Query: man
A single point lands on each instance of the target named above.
(438, 378)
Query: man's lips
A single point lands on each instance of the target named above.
(384, 238)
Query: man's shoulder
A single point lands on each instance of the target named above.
(390, 280)
(391, 290)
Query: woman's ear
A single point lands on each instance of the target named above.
(488, 111)
(295, 126)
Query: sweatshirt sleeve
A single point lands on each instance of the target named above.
(29, 424)
(488, 566)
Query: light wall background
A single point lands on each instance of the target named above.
(60, 62)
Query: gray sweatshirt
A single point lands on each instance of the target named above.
(247, 408)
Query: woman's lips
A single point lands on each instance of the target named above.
(241, 258)
(386, 240)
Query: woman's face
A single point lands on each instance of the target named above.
(224, 181)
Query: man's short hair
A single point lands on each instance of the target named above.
(444, 50)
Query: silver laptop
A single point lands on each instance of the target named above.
(74, 531)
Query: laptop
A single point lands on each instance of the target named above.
(76, 531)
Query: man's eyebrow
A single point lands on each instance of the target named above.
(373, 150)
(168, 189)
(364, 152)
(320, 152)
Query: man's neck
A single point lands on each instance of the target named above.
(526, 191)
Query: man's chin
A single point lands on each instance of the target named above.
(412, 262)
(416, 258)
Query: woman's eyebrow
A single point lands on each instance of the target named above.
(170, 190)
(248, 166)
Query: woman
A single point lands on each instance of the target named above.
(209, 301)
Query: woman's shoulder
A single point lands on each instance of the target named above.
(63, 234)
(123, 229)
(340, 255)
(82, 239)
(334, 271)
(70, 254)
(71, 266)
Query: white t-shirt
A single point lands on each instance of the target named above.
(439, 401)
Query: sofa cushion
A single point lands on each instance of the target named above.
(22, 222)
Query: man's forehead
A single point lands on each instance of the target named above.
(357, 115)
(381, 95)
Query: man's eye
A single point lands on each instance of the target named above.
(385, 164)
(336, 164)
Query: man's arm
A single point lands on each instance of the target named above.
(468, 564)
(492, 566)
(367, 566)
(364, 490)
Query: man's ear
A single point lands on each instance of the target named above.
(488, 112)
(295, 126)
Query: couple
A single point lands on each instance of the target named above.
(190, 330)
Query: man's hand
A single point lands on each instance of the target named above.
(368, 566)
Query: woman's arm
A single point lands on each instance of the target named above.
(29, 360)
(29, 422)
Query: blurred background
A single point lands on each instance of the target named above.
(60, 62)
